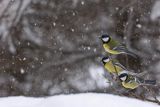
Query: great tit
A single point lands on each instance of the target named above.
(132, 82)
(112, 66)
(114, 47)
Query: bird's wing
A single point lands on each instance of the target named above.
(139, 74)
(113, 43)
(121, 66)
(120, 46)
(122, 49)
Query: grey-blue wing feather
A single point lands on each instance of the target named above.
(122, 49)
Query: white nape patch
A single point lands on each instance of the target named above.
(155, 13)
(97, 73)
(106, 39)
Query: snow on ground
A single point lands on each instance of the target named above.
(75, 100)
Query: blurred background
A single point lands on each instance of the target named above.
(50, 47)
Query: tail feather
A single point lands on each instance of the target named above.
(146, 82)
(130, 53)
(151, 82)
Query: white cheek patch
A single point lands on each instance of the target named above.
(123, 78)
(105, 39)
(106, 60)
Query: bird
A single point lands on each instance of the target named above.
(114, 47)
(112, 65)
(129, 81)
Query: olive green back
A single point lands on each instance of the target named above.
(113, 43)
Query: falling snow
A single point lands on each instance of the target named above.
(139, 25)
(82, 2)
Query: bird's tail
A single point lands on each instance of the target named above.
(131, 54)
(146, 82)
(150, 82)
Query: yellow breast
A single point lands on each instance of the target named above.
(131, 85)
(107, 48)
(113, 68)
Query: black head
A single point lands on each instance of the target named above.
(105, 59)
(105, 38)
